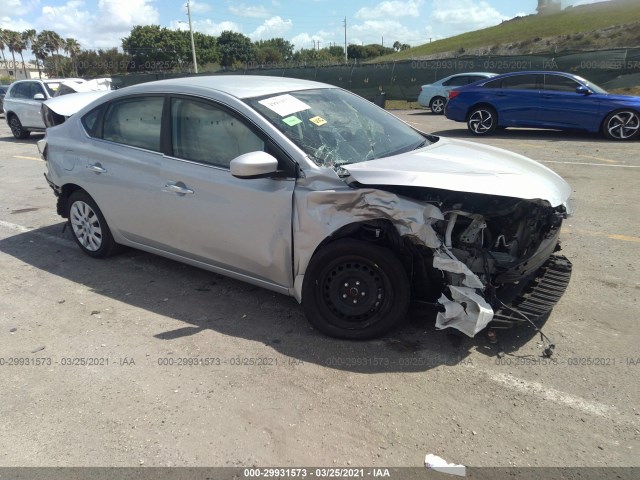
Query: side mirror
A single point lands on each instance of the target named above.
(254, 165)
(39, 96)
(582, 90)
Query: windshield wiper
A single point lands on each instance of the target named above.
(422, 144)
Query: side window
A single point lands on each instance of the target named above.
(456, 81)
(474, 78)
(36, 88)
(204, 133)
(494, 84)
(559, 83)
(521, 82)
(20, 90)
(90, 122)
(135, 121)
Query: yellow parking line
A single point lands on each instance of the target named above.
(612, 236)
(26, 158)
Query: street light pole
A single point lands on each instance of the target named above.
(193, 46)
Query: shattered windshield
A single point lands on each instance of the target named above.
(335, 127)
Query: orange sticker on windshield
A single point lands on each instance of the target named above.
(319, 121)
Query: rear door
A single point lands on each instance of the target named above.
(516, 99)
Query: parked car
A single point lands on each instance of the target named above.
(435, 94)
(22, 104)
(311, 191)
(554, 100)
(3, 91)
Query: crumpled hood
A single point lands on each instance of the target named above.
(463, 166)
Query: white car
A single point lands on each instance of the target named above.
(23, 101)
(434, 95)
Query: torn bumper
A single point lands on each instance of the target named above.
(534, 297)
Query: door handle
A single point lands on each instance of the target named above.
(96, 168)
(175, 188)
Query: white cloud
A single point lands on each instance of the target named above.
(305, 40)
(251, 11)
(15, 24)
(394, 8)
(466, 15)
(104, 29)
(197, 7)
(21, 7)
(372, 31)
(207, 26)
(272, 27)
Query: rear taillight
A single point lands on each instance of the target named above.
(453, 94)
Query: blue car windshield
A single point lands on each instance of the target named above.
(335, 127)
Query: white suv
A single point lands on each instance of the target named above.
(23, 101)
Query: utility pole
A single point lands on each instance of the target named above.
(383, 41)
(193, 46)
(346, 58)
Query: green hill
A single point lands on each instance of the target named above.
(601, 25)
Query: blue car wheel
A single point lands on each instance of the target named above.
(621, 125)
(482, 120)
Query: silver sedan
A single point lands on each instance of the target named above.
(311, 191)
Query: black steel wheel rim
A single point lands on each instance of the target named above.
(355, 292)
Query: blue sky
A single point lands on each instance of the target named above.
(102, 23)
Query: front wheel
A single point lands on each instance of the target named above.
(437, 105)
(90, 229)
(17, 129)
(482, 121)
(621, 125)
(354, 289)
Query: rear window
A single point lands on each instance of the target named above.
(135, 122)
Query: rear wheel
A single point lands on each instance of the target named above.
(17, 129)
(90, 229)
(482, 121)
(437, 105)
(622, 125)
(355, 289)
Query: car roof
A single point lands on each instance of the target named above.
(488, 74)
(240, 86)
(537, 72)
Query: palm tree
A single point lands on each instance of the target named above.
(73, 48)
(13, 41)
(2, 47)
(52, 43)
(39, 51)
(28, 37)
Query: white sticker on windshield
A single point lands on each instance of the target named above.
(284, 105)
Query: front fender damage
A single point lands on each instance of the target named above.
(323, 206)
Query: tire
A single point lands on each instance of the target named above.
(17, 129)
(437, 105)
(482, 121)
(89, 228)
(621, 125)
(356, 290)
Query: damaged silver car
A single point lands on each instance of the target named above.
(311, 191)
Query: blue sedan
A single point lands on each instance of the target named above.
(554, 100)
